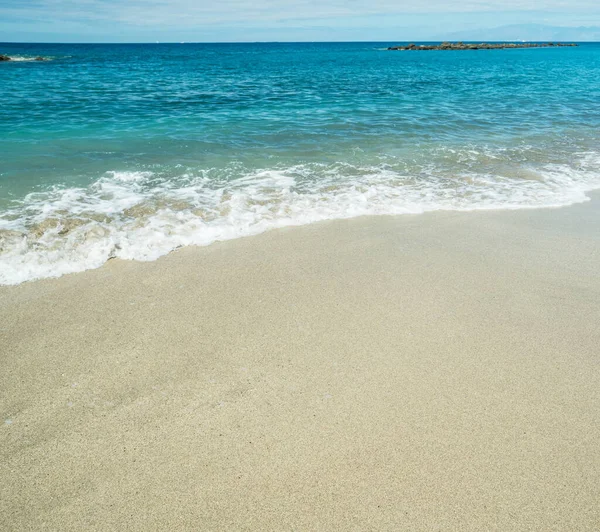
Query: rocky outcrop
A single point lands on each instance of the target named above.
(8, 58)
(481, 46)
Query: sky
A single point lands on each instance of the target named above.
(283, 20)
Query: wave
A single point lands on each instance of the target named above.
(143, 215)
(21, 58)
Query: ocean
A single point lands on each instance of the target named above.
(132, 151)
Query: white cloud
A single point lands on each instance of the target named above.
(189, 13)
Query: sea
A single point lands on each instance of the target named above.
(132, 151)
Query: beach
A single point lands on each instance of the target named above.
(419, 372)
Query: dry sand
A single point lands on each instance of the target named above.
(433, 372)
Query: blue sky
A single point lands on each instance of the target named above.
(277, 20)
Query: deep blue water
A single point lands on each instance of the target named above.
(134, 150)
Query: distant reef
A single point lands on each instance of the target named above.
(482, 46)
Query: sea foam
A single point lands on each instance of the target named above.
(142, 215)
(26, 58)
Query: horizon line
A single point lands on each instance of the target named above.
(307, 42)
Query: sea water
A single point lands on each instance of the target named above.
(131, 151)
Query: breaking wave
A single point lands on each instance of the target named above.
(25, 58)
(144, 215)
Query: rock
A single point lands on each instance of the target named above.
(483, 46)
(7, 58)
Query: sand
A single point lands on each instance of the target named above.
(430, 372)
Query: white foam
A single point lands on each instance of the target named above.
(138, 216)
(21, 58)
(129, 177)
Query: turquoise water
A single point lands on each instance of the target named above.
(134, 150)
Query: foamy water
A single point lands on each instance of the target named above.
(23, 58)
(139, 216)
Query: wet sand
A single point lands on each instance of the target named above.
(431, 372)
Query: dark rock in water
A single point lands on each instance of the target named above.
(7, 58)
(483, 46)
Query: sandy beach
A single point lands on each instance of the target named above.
(427, 372)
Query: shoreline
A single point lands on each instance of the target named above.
(140, 250)
(417, 371)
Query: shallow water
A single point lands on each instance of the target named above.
(133, 150)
